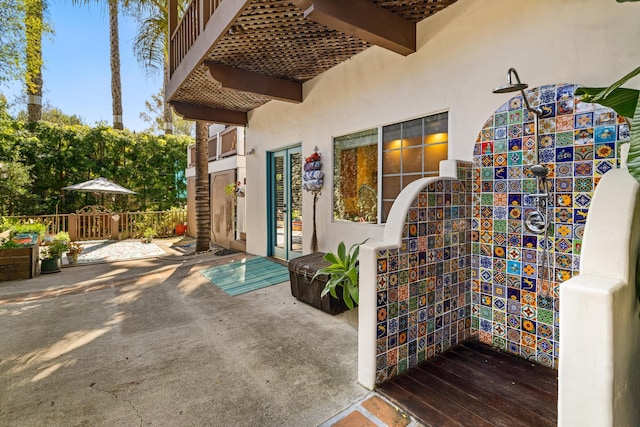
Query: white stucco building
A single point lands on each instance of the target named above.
(435, 99)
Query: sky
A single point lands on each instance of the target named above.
(77, 76)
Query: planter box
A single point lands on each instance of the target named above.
(50, 265)
(19, 263)
(301, 271)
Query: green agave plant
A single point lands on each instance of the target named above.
(344, 272)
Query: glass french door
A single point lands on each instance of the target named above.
(285, 203)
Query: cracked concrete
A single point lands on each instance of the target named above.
(170, 348)
(114, 394)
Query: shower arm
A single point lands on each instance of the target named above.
(512, 71)
(537, 112)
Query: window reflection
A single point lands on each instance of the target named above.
(356, 177)
(410, 150)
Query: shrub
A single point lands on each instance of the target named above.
(55, 250)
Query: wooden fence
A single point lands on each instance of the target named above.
(98, 223)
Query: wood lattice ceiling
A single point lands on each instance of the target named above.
(274, 38)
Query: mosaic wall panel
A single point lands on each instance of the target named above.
(424, 286)
(512, 308)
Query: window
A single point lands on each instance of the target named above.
(410, 150)
(355, 172)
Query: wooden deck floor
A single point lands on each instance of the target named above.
(473, 385)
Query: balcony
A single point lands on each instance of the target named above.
(227, 57)
(220, 145)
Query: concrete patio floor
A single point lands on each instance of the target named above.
(152, 342)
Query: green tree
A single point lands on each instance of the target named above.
(12, 40)
(61, 154)
(156, 115)
(14, 186)
(54, 115)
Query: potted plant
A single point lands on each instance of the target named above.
(52, 256)
(62, 236)
(75, 249)
(34, 230)
(180, 229)
(343, 272)
(149, 234)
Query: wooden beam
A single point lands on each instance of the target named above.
(248, 81)
(210, 115)
(364, 20)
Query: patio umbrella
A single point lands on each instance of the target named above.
(99, 185)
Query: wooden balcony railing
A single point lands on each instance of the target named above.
(184, 33)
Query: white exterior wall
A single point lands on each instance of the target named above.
(463, 53)
(599, 376)
(241, 176)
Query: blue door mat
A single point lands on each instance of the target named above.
(247, 275)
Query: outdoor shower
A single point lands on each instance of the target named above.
(537, 220)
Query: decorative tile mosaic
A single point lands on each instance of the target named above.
(467, 266)
(424, 306)
(578, 142)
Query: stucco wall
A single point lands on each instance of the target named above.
(599, 378)
(422, 277)
(463, 53)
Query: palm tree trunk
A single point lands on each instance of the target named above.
(203, 216)
(168, 114)
(116, 84)
(33, 76)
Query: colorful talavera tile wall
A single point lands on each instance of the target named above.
(424, 299)
(467, 266)
(512, 308)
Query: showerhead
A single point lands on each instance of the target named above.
(540, 171)
(511, 87)
(518, 86)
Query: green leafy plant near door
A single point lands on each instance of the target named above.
(343, 272)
